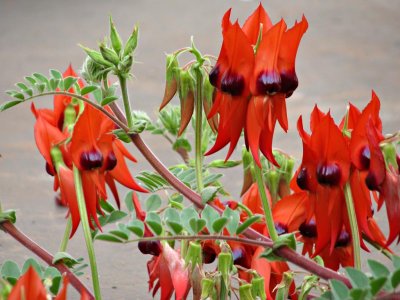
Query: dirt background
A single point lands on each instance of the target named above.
(350, 48)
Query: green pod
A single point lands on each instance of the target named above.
(109, 54)
(131, 43)
(116, 41)
(245, 292)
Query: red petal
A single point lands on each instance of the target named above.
(252, 25)
(28, 286)
(291, 210)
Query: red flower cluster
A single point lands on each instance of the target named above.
(254, 74)
(80, 135)
(334, 156)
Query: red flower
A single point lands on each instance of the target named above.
(28, 286)
(251, 89)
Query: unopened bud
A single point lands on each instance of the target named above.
(93, 72)
(258, 288)
(115, 38)
(171, 80)
(125, 65)
(272, 178)
(109, 54)
(131, 43)
(193, 255)
(97, 57)
(207, 288)
(245, 292)
(186, 97)
(225, 263)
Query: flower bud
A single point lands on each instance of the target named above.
(248, 178)
(97, 57)
(92, 72)
(108, 54)
(257, 288)
(207, 288)
(69, 116)
(272, 178)
(131, 43)
(225, 263)
(245, 292)
(193, 255)
(115, 38)
(172, 77)
(186, 97)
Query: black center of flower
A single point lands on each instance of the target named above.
(232, 83)
(92, 159)
(268, 83)
(343, 239)
(150, 247)
(289, 83)
(328, 174)
(308, 229)
(213, 76)
(365, 157)
(111, 161)
(372, 182)
(50, 170)
(239, 258)
(302, 179)
(281, 228)
(209, 254)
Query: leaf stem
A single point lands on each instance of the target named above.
(125, 98)
(86, 232)
(32, 246)
(355, 235)
(67, 232)
(199, 130)
(265, 203)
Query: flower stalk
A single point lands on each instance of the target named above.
(125, 98)
(65, 239)
(199, 129)
(86, 231)
(355, 234)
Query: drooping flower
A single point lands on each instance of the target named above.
(252, 83)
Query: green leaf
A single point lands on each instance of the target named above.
(65, 258)
(41, 78)
(219, 224)
(246, 224)
(9, 104)
(396, 261)
(222, 164)
(120, 234)
(339, 290)
(377, 284)
(210, 179)
(359, 294)
(88, 89)
(209, 214)
(24, 88)
(233, 220)
(30, 262)
(129, 202)
(197, 225)
(107, 206)
(154, 222)
(357, 278)
(137, 227)
(116, 216)
(40, 87)
(55, 285)
(153, 203)
(186, 215)
(173, 220)
(31, 80)
(10, 269)
(108, 100)
(54, 83)
(378, 269)
(326, 295)
(108, 238)
(182, 143)
(69, 82)
(122, 135)
(56, 74)
(395, 278)
(208, 193)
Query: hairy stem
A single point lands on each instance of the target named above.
(195, 198)
(86, 232)
(125, 98)
(67, 232)
(355, 234)
(265, 203)
(32, 246)
(199, 130)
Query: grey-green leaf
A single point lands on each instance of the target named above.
(339, 290)
(154, 222)
(153, 203)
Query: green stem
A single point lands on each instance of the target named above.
(355, 235)
(86, 231)
(198, 130)
(264, 199)
(125, 98)
(67, 232)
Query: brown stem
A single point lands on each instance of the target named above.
(44, 255)
(195, 198)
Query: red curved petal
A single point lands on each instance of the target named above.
(251, 26)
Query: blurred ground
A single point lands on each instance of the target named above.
(350, 48)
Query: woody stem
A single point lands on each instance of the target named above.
(86, 231)
(355, 235)
(198, 130)
(125, 98)
(67, 232)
